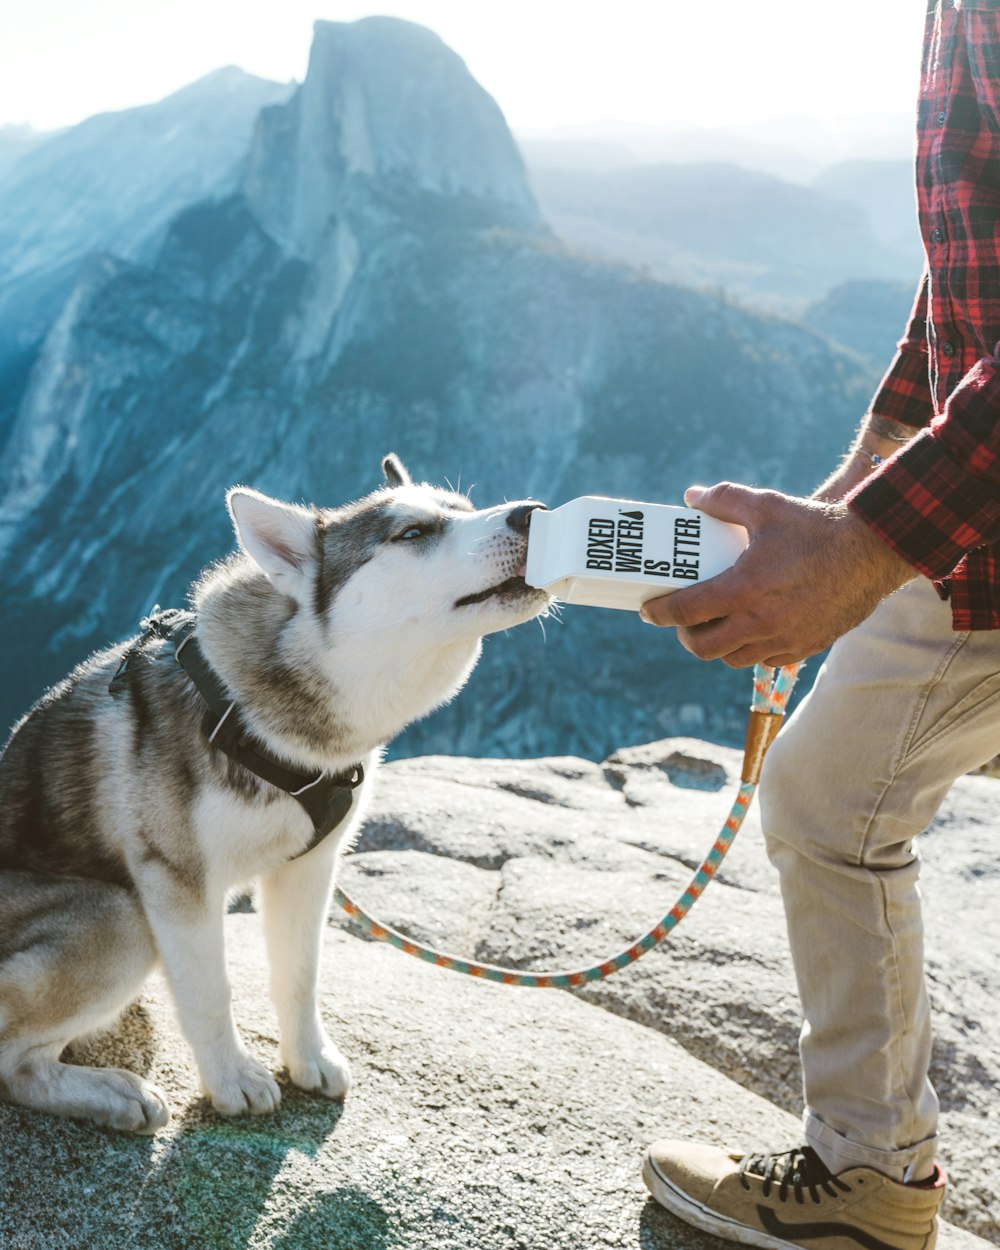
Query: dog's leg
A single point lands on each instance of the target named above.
(73, 954)
(295, 899)
(190, 939)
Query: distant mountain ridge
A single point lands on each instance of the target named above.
(794, 147)
(111, 184)
(766, 240)
(15, 142)
(886, 191)
(867, 316)
(377, 276)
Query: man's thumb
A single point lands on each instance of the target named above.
(725, 501)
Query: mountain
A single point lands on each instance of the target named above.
(380, 278)
(619, 146)
(869, 317)
(111, 184)
(15, 142)
(794, 147)
(759, 237)
(885, 191)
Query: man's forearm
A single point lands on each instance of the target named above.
(876, 440)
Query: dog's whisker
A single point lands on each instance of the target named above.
(553, 613)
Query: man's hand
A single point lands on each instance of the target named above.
(812, 571)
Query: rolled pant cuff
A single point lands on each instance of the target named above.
(839, 1153)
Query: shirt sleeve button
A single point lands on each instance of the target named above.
(942, 118)
(947, 349)
(937, 236)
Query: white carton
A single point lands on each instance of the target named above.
(617, 553)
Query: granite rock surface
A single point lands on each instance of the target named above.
(485, 1117)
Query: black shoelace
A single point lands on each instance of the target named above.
(796, 1170)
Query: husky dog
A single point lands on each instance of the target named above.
(123, 828)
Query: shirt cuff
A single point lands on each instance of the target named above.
(927, 507)
(904, 394)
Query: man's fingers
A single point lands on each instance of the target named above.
(692, 606)
(718, 639)
(747, 657)
(784, 661)
(721, 595)
(704, 642)
(725, 643)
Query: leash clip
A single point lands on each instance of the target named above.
(762, 729)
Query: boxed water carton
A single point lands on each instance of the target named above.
(618, 553)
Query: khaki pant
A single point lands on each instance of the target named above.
(901, 708)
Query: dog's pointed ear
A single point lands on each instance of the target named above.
(395, 471)
(279, 538)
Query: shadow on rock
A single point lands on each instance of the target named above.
(203, 1184)
(659, 1230)
(344, 1219)
(216, 1177)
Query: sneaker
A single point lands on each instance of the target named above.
(791, 1201)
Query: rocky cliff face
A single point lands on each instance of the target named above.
(384, 103)
(110, 185)
(379, 278)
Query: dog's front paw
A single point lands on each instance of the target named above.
(133, 1105)
(121, 1100)
(324, 1072)
(244, 1087)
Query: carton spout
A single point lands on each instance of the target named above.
(538, 544)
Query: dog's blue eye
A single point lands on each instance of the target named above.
(415, 531)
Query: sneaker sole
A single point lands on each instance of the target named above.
(692, 1212)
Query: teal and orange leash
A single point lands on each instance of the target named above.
(771, 689)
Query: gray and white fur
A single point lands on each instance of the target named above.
(123, 832)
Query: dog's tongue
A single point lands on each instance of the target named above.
(522, 570)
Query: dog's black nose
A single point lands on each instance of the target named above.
(519, 518)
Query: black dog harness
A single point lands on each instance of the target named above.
(325, 797)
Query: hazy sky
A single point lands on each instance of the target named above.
(547, 62)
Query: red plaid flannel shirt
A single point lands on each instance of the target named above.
(937, 501)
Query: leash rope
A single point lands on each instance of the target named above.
(771, 689)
